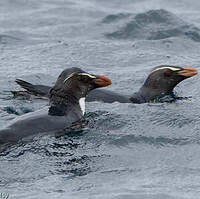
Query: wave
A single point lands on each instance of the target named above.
(115, 17)
(7, 39)
(155, 25)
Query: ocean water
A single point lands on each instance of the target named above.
(127, 151)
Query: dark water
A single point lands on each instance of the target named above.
(147, 151)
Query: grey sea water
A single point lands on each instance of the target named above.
(128, 151)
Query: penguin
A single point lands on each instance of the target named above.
(66, 107)
(160, 83)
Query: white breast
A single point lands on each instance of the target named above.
(82, 104)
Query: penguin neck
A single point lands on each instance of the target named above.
(154, 93)
(146, 94)
(61, 106)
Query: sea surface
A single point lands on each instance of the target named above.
(127, 151)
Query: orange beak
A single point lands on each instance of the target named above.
(188, 72)
(102, 81)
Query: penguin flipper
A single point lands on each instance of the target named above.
(37, 90)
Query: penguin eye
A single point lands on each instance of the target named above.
(168, 74)
(83, 78)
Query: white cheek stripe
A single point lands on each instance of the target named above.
(91, 76)
(68, 77)
(167, 67)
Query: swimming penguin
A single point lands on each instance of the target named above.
(161, 82)
(66, 106)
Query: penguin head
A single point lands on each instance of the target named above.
(77, 83)
(165, 78)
